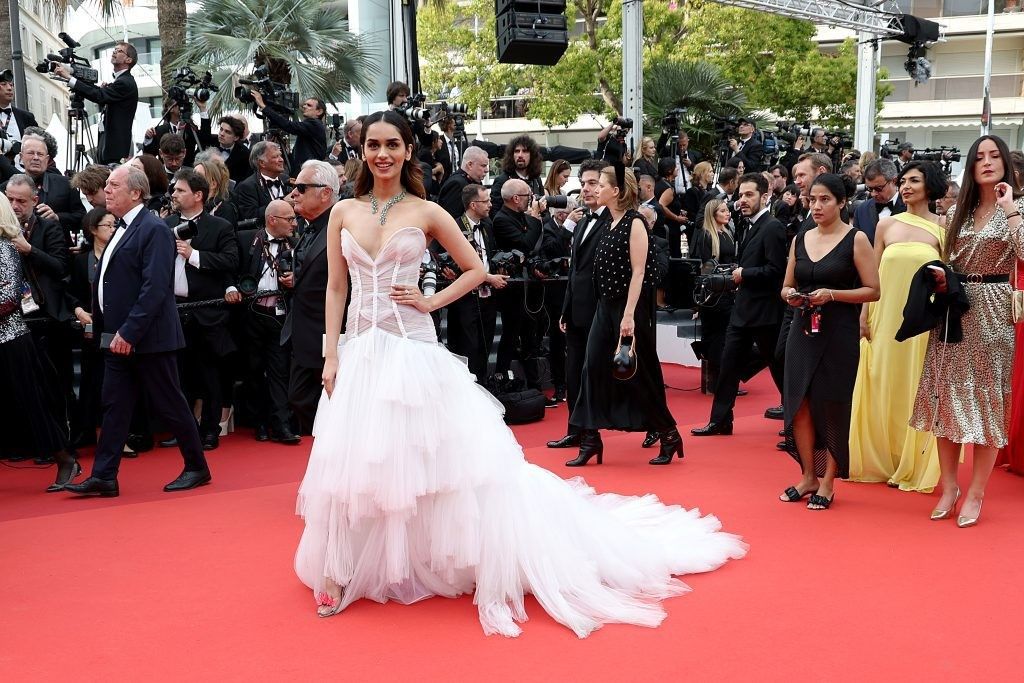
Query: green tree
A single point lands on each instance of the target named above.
(305, 45)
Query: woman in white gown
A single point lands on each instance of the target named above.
(415, 487)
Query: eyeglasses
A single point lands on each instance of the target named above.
(302, 187)
(486, 201)
(33, 154)
(523, 195)
(876, 190)
(290, 219)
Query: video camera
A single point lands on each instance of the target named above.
(714, 282)
(548, 268)
(186, 85)
(507, 262)
(670, 124)
(80, 67)
(939, 154)
(457, 111)
(274, 94)
(620, 126)
(337, 121)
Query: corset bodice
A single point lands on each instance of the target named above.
(371, 279)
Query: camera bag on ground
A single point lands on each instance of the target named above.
(522, 405)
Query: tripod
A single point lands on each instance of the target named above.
(79, 136)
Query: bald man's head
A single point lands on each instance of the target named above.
(280, 219)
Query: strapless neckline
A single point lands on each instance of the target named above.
(385, 243)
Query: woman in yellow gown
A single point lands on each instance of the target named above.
(883, 447)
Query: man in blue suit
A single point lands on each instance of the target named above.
(134, 302)
(884, 200)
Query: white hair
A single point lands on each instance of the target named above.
(324, 174)
(473, 154)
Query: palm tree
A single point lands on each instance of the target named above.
(699, 88)
(303, 44)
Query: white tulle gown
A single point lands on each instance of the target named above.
(415, 487)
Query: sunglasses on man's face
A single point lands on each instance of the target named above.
(302, 187)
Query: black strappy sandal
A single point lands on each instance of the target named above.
(793, 494)
(822, 502)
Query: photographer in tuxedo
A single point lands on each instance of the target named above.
(153, 140)
(880, 180)
(747, 148)
(268, 183)
(206, 261)
(450, 154)
(13, 121)
(471, 319)
(267, 258)
(348, 147)
(757, 311)
(580, 304)
(517, 227)
(522, 161)
(229, 142)
(472, 172)
(118, 101)
(309, 131)
(133, 305)
(556, 243)
(315, 193)
(684, 157)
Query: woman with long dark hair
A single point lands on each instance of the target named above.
(831, 271)
(558, 175)
(964, 394)
(883, 447)
(415, 487)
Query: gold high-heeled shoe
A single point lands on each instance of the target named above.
(964, 522)
(938, 514)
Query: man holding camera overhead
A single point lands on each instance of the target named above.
(268, 265)
(118, 101)
(310, 132)
(204, 267)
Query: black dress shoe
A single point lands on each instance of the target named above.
(567, 441)
(286, 436)
(210, 442)
(650, 439)
(550, 402)
(774, 413)
(169, 443)
(713, 429)
(140, 443)
(95, 487)
(261, 434)
(189, 480)
(560, 395)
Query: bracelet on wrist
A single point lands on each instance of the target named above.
(1012, 215)
(831, 295)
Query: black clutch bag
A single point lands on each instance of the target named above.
(624, 360)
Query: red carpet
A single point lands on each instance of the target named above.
(199, 585)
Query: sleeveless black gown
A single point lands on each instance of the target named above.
(822, 367)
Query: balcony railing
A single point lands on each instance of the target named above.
(955, 88)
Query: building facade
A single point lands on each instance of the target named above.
(40, 24)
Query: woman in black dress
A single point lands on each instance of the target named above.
(623, 279)
(831, 271)
(714, 242)
(26, 419)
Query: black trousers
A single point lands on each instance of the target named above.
(125, 379)
(471, 323)
(203, 369)
(53, 342)
(554, 296)
(267, 370)
(304, 387)
(575, 353)
(713, 326)
(518, 331)
(739, 343)
(87, 413)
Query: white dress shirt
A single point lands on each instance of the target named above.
(180, 279)
(128, 219)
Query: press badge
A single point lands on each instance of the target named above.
(28, 304)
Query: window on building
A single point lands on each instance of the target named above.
(56, 106)
(39, 50)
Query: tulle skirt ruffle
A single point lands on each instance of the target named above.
(415, 487)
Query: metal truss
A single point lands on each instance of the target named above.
(883, 19)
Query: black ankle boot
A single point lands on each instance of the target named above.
(671, 444)
(590, 445)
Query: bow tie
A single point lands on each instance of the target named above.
(226, 150)
(882, 205)
(279, 240)
(120, 224)
(7, 111)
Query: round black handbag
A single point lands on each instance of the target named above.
(624, 360)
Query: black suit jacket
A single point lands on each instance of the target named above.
(444, 157)
(46, 268)
(580, 303)
(191, 140)
(252, 196)
(24, 118)
(865, 218)
(237, 161)
(305, 324)
(752, 155)
(536, 187)
(514, 230)
(55, 191)
(218, 261)
(250, 256)
(450, 195)
(310, 137)
(118, 101)
(138, 288)
(763, 257)
(79, 290)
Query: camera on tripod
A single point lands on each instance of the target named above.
(186, 85)
(80, 67)
(274, 94)
(456, 111)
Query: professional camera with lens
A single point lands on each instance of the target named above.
(939, 154)
(182, 231)
(414, 109)
(890, 149)
(507, 262)
(621, 128)
(274, 94)
(790, 131)
(186, 84)
(445, 260)
(548, 268)
(557, 201)
(714, 282)
(80, 67)
(285, 261)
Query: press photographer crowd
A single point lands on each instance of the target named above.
(879, 293)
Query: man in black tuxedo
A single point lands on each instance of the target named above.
(348, 147)
(314, 194)
(517, 227)
(685, 159)
(747, 148)
(555, 244)
(268, 183)
(473, 171)
(173, 124)
(310, 132)
(757, 313)
(57, 201)
(522, 161)
(133, 306)
(118, 101)
(880, 180)
(267, 259)
(173, 153)
(204, 267)
(13, 121)
(229, 142)
(580, 303)
(450, 154)
(471, 319)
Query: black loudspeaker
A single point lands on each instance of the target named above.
(531, 32)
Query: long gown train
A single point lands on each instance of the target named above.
(415, 487)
